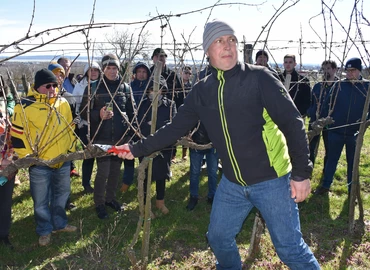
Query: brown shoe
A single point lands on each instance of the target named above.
(45, 240)
(68, 228)
(160, 205)
(124, 188)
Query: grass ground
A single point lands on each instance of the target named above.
(177, 240)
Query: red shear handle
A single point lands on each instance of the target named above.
(113, 149)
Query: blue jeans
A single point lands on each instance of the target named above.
(231, 206)
(50, 188)
(336, 144)
(196, 158)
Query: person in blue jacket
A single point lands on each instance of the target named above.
(345, 105)
(319, 92)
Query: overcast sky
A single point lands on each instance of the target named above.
(247, 19)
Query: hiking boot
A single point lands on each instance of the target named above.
(88, 189)
(162, 207)
(124, 187)
(45, 240)
(193, 201)
(101, 211)
(114, 204)
(68, 228)
(321, 191)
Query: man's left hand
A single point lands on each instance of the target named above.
(300, 190)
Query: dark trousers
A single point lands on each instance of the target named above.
(128, 172)
(6, 192)
(87, 164)
(106, 180)
(336, 143)
(87, 168)
(160, 173)
(314, 145)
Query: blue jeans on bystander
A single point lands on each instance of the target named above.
(336, 144)
(196, 157)
(232, 205)
(50, 188)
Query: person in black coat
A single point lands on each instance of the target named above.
(299, 87)
(108, 106)
(161, 163)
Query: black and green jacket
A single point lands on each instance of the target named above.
(251, 121)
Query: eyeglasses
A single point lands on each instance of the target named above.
(187, 72)
(48, 86)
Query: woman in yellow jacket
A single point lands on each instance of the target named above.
(42, 127)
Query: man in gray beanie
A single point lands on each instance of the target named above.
(250, 119)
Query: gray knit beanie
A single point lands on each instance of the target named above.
(214, 30)
(110, 60)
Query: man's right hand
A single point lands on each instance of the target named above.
(125, 152)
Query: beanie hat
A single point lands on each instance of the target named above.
(262, 52)
(56, 68)
(158, 51)
(110, 60)
(354, 63)
(92, 64)
(214, 30)
(44, 76)
(141, 64)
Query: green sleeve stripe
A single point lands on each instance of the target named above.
(276, 146)
(225, 130)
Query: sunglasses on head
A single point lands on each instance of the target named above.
(48, 86)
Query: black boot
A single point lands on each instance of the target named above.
(101, 211)
(193, 201)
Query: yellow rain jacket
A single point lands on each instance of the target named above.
(42, 127)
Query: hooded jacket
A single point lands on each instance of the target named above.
(42, 126)
(138, 87)
(80, 87)
(250, 119)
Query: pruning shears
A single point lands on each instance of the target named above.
(111, 149)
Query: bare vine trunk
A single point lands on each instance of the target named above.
(148, 207)
(355, 185)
